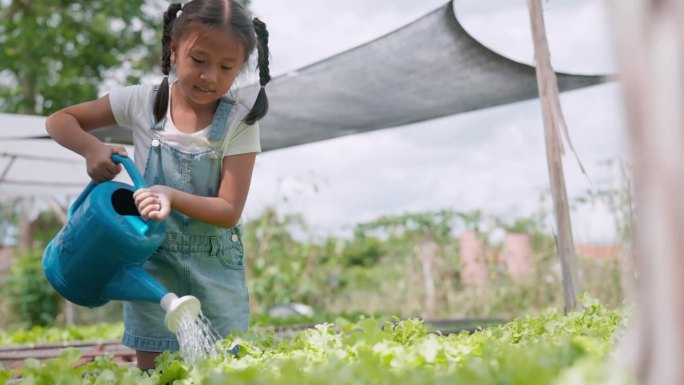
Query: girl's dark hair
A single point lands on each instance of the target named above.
(215, 14)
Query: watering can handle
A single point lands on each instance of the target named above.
(137, 179)
(138, 223)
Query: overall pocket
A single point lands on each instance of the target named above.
(232, 253)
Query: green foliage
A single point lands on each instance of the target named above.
(56, 53)
(472, 219)
(380, 269)
(4, 375)
(46, 226)
(362, 251)
(548, 349)
(33, 299)
(519, 225)
(44, 335)
(280, 269)
(438, 224)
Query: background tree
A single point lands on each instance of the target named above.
(55, 53)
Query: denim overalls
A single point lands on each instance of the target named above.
(196, 258)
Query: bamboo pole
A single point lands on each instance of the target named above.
(59, 211)
(427, 252)
(554, 129)
(25, 228)
(650, 41)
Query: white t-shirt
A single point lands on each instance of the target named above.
(132, 107)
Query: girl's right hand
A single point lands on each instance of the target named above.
(99, 164)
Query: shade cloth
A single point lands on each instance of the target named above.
(427, 69)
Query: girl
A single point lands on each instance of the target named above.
(196, 149)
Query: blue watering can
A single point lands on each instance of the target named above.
(98, 255)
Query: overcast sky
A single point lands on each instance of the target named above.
(492, 159)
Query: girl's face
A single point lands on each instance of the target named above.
(207, 62)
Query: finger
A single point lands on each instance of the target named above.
(140, 194)
(161, 213)
(119, 150)
(101, 172)
(112, 169)
(148, 205)
(106, 175)
(96, 177)
(150, 201)
(146, 211)
(140, 191)
(144, 200)
(162, 208)
(153, 210)
(92, 173)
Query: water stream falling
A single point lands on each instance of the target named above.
(197, 339)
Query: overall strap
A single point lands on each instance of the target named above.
(219, 125)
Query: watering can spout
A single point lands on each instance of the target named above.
(177, 309)
(133, 283)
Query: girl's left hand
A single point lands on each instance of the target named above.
(153, 202)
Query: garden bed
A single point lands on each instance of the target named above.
(550, 348)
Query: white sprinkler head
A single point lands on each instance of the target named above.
(175, 308)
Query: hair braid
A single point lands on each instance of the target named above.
(161, 101)
(260, 107)
(262, 50)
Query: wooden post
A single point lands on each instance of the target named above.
(650, 37)
(427, 253)
(25, 228)
(554, 128)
